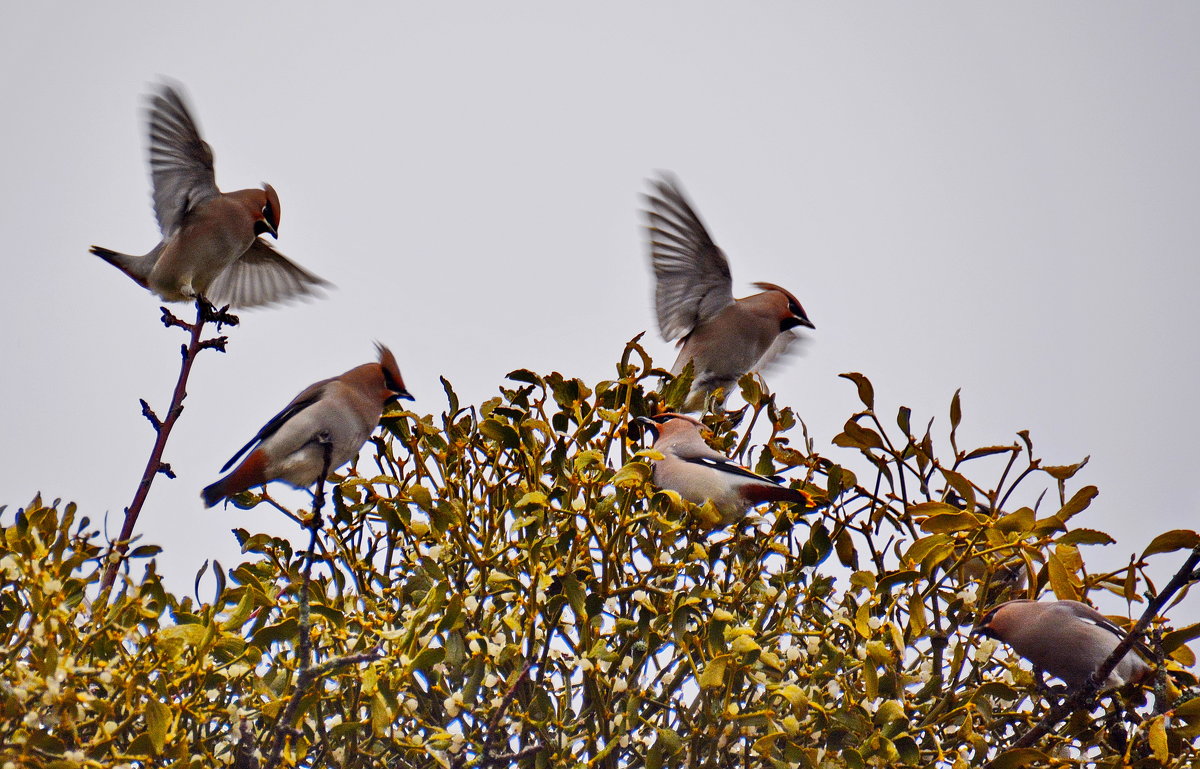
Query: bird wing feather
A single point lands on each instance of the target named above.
(181, 163)
(726, 466)
(1090, 615)
(262, 276)
(693, 283)
(308, 397)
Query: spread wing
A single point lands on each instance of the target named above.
(787, 344)
(311, 395)
(181, 164)
(693, 280)
(262, 276)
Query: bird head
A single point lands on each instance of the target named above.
(791, 313)
(997, 622)
(392, 381)
(670, 423)
(268, 221)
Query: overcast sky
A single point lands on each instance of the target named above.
(998, 197)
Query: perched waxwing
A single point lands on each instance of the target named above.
(723, 337)
(1010, 574)
(1067, 639)
(210, 245)
(699, 473)
(342, 411)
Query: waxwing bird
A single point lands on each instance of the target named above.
(341, 412)
(210, 245)
(700, 473)
(1067, 639)
(723, 337)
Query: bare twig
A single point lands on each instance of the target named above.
(1085, 696)
(494, 722)
(205, 313)
(245, 755)
(307, 673)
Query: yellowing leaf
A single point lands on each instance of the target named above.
(866, 393)
(1018, 758)
(1157, 733)
(1060, 580)
(1177, 539)
(948, 522)
(158, 721)
(632, 474)
(1078, 503)
(713, 674)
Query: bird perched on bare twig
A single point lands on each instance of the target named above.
(723, 337)
(1067, 639)
(699, 473)
(341, 413)
(210, 246)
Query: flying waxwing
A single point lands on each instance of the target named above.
(1067, 639)
(210, 245)
(700, 473)
(722, 336)
(342, 411)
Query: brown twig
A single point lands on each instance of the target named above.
(1086, 695)
(205, 313)
(494, 721)
(307, 673)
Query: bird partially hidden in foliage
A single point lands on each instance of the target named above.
(700, 473)
(210, 246)
(1067, 639)
(339, 413)
(723, 337)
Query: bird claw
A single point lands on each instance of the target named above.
(209, 313)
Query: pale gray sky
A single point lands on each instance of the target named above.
(1001, 198)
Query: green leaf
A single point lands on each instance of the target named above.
(158, 722)
(451, 397)
(948, 522)
(713, 674)
(503, 434)
(855, 436)
(631, 475)
(919, 549)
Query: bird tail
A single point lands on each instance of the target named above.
(770, 492)
(136, 267)
(251, 472)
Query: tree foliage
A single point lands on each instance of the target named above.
(503, 585)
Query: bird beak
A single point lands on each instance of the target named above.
(405, 395)
(263, 227)
(805, 322)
